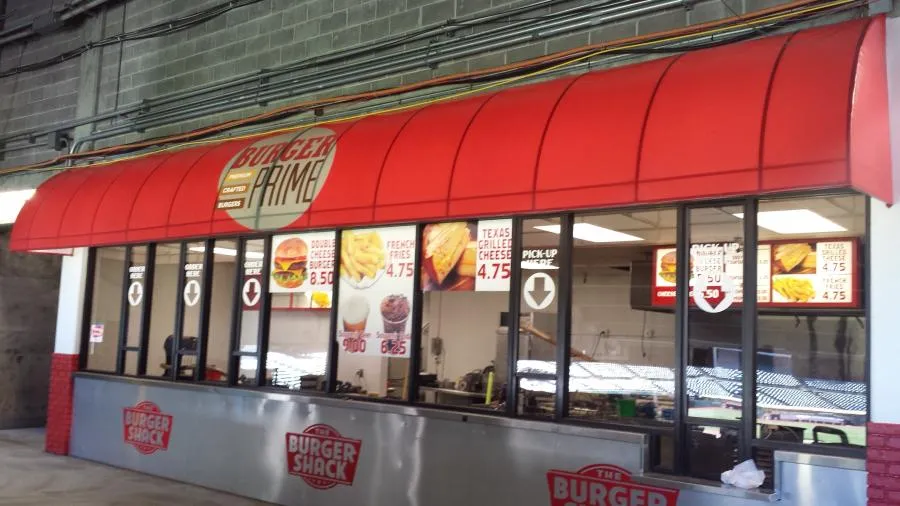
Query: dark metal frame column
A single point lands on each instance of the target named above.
(237, 311)
(563, 317)
(748, 330)
(179, 313)
(205, 304)
(332, 361)
(85, 329)
(415, 345)
(265, 306)
(515, 309)
(147, 310)
(683, 278)
(124, 313)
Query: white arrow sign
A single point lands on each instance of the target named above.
(135, 293)
(539, 290)
(251, 292)
(192, 292)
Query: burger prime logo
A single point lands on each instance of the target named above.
(272, 182)
(147, 428)
(604, 485)
(322, 457)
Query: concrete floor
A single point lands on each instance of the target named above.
(28, 476)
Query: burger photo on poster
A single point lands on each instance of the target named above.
(289, 263)
(667, 267)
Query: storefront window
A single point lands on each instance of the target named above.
(192, 297)
(811, 356)
(134, 298)
(220, 310)
(465, 282)
(106, 309)
(162, 315)
(623, 323)
(536, 365)
(377, 275)
(248, 316)
(300, 285)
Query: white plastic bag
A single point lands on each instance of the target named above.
(744, 475)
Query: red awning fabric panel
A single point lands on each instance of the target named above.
(797, 111)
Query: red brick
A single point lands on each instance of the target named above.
(59, 412)
(890, 456)
(884, 482)
(876, 467)
(876, 441)
(885, 429)
(894, 470)
(876, 493)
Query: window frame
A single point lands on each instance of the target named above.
(748, 442)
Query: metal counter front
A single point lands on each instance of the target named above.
(312, 451)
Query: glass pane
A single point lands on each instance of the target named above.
(711, 451)
(375, 306)
(106, 309)
(714, 318)
(220, 309)
(162, 317)
(192, 297)
(253, 269)
(623, 338)
(536, 364)
(301, 286)
(811, 385)
(137, 272)
(131, 361)
(247, 367)
(465, 283)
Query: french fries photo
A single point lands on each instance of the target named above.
(362, 255)
(794, 289)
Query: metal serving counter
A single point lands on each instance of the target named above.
(311, 450)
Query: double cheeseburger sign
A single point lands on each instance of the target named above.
(272, 182)
(322, 457)
(147, 428)
(604, 485)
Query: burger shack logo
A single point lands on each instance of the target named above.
(147, 428)
(272, 182)
(322, 457)
(604, 485)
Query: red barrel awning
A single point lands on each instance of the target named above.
(800, 111)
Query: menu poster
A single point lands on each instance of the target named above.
(467, 256)
(788, 273)
(302, 263)
(376, 290)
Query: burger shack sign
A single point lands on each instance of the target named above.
(147, 428)
(604, 485)
(322, 457)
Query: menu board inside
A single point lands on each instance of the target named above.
(376, 289)
(789, 273)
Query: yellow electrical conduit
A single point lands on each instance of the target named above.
(608, 47)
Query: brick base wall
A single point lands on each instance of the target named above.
(59, 405)
(883, 463)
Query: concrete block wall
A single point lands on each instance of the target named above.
(268, 34)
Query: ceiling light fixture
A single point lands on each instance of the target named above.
(795, 221)
(592, 233)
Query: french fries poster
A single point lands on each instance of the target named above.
(467, 256)
(375, 299)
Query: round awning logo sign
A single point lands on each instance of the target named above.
(273, 181)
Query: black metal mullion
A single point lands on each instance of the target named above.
(265, 306)
(332, 360)
(175, 355)
(86, 308)
(563, 317)
(683, 277)
(515, 308)
(124, 313)
(415, 345)
(748, 331)
(146, 309)
(205, 303)
(236, 314)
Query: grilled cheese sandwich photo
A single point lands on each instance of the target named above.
(795, 258)
(449, 255)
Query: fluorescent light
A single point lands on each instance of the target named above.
(537, 266)
(11, 203)
(226, 252)
(592, 233)
(795, 221)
